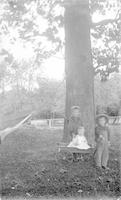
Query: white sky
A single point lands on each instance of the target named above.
(54, 68)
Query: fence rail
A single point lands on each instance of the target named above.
(59, 123)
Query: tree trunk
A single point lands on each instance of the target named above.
(78, 65)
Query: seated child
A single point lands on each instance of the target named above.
(79, 141)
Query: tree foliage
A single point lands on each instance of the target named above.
(49, 97)
(39, 26)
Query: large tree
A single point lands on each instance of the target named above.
(79, 69)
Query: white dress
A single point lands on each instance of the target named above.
(79, 142)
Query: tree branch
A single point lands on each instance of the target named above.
(103, 22)
(9, 130)
(107, 21)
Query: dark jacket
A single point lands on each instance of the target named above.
(102, 131)
(74, 124)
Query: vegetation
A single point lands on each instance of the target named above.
(30, 33)
(49, 98)
(29, 169)
(38, 27)
(35, 30)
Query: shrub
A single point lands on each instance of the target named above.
(113, 109)
(101, 109)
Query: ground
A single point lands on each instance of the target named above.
(29, 168)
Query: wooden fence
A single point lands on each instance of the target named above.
(59, 123)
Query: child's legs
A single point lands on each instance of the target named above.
(98, 155)
(105, 156)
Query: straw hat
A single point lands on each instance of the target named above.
(102, 116)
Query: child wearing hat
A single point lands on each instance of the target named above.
(102, 138)
(75, 121)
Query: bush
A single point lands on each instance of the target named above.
(46, 114)
(101, 109)
(113, 110)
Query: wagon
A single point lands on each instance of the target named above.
(67, 154)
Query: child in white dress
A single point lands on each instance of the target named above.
(79, 141)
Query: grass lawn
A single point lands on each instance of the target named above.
(29, 168)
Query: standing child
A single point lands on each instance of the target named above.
(102, 137)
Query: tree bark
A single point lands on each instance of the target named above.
(78, 65)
